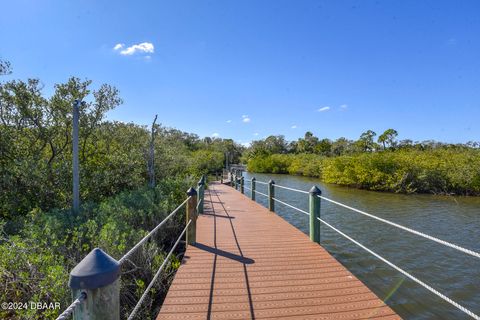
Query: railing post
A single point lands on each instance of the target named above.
(253, 188)
(192, 214)
(98, 275)
(314, 201)
(201, 194)
(232, 183)
(235, 178)
(242, 184)
(271, 195)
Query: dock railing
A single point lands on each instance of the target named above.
(314, 213)
(95, 281)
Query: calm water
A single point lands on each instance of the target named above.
(454, 219)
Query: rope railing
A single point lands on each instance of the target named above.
(421, 234)
(263, 194)
(159, 271)
(131, 251)
(389, 263)
(290, 206)
(71, 308)
(291, 189)
(408, 275)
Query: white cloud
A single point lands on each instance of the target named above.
(229, 121)
(144, 47)
(343, 106)
(246, 144)
(256, 134)
(246, 118)
(294, 126)
(215, 134)
(322, 109)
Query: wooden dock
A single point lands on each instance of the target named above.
(249, 263)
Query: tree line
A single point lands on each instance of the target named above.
(375, 163)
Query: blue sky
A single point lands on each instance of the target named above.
(207, 66)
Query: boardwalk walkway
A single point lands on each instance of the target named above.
(249, 263)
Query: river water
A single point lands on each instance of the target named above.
(454, 219)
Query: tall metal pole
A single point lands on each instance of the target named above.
(76, 172)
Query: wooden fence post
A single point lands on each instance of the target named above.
(98, 276)
(271, 195)
(192, 214)
(314, 202)
(253, 188)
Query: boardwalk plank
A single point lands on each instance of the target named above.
(249, 263)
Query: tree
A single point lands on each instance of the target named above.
(5, 67)
(307, 144)
(366, 142)
(388, 138)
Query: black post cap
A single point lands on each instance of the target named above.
(254, 179)
(96, 270)
(315, 191)
(191, 192)
(271, 181)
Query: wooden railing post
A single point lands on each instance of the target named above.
(98, 276)
(253, 188)
(242, 184)
(192, 214)
(201, 194)
(271, 195)
(314, 201)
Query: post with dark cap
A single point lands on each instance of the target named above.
(242, 184)
(271, 195)
(97, 275)
(192, 214)
(201, 193)
(253, 188)
(314, 201)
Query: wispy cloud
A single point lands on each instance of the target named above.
(215, 135)
(323, 109)
(144, 47)
(256, 134)
(229, 121)
(246, 118)
(294, 126)
(119, 46)
(343, 107)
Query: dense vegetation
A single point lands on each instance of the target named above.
(404, 166)
(41, 240)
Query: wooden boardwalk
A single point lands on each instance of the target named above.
(249, 263)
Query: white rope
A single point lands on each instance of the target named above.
(289, 205)
(122, 259)
(423, 284)
(292, 189)
(68, 312)
(263, 194)
(445, 243)
(150, 285)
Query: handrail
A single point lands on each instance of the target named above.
(261, 182)
(292, 189)
(289, 205)
(408, 275)
(263, 194)
(411, 277)
(71, 308)
(421, 234)
(130, 252)
(150, 285)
